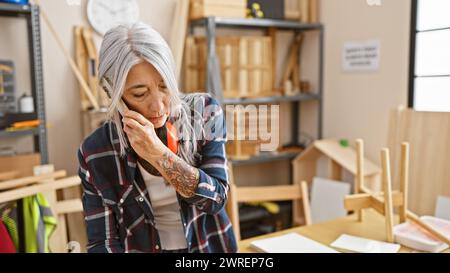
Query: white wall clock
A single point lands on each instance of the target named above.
(106, 14)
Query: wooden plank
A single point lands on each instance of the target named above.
(58, 239)
(428, 134)
(415, 219)
(8, 175)
(23, 164)
(292, 9)
(367, 200)
(334, 170)
(81, 61)
(359, 177)
(387, 188)
(204, 8)
(68, 206)
(305, 202)
(20, 182)
(178, 34)
(304, 11)
(345, 156)
(268, 193)
(314, 11)
(272, 32)
(16, 194)
(404, 170)
(69, 59)
(92, 62)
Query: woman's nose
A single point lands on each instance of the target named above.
(156, 105)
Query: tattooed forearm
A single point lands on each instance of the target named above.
(181, 175)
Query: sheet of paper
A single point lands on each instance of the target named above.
(290, 243)
(327, 199)
(362, 245)
(443, 208)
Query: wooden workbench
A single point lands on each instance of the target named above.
(372, 227)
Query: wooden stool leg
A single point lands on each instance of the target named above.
(306, 206)
(387, 188)
(359, 179)
(232, 204)
(404, 169)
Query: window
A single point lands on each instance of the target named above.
(429, 81)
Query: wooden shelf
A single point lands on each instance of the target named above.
(265, 157)
(19, 133)
(273, 99)
(257, 23)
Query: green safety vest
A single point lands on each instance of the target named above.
(38, 221)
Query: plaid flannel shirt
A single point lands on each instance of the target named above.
(118, 210)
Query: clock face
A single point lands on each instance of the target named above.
(106, 14)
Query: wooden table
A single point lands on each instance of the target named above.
(372, 227)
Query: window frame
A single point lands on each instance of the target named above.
(412, 54)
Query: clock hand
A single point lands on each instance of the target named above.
(106, 7)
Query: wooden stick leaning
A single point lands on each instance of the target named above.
(66, 53)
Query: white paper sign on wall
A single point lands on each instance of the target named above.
(361, 56)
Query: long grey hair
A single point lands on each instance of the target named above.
(121, 49)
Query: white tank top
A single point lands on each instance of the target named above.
(166, 211)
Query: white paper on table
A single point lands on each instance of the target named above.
(290, 243)
(443, 208)
(362, 245)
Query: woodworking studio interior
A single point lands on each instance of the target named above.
(271, 126)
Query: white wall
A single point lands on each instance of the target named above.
(357, 104)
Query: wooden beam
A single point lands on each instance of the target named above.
(404, 170)
(268, 193)
(388, 207)
(68, 206)
(367, 200)
(334, 170)
(66, 53)
(20, 193)
(20, 182)
(359, 177)
(314, 11)
(178, 33)
(8, 175)
(415, 219)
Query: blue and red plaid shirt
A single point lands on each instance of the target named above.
(118, 210)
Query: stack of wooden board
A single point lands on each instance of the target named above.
(239, 148)
(246, 65)
(306, 11)
(87, 63)
(225, 8)
(250, 129)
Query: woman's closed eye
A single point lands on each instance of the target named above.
(140, 92)
(163, 87)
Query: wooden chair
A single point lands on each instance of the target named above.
(298, 193)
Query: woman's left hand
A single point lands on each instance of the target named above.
(142, 136)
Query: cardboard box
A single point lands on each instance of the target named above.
(23, 164)
(223, 8)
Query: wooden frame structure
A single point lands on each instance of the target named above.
(297, 193)
(385, 202)
(48, 184)
(339, 159)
